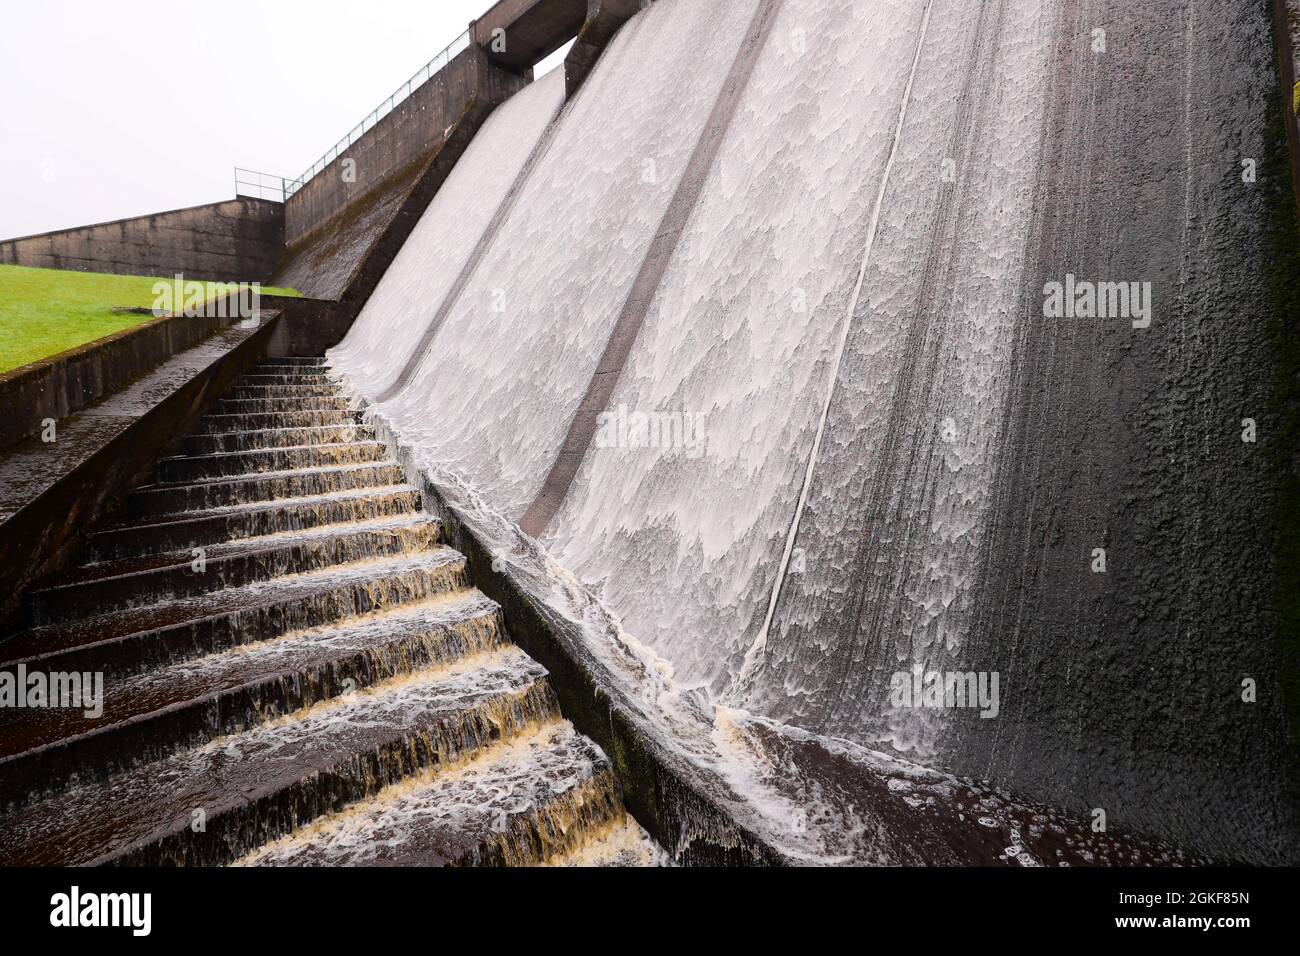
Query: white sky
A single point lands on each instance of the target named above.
(115, 109)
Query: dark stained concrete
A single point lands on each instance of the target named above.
(1286, 27)
(239, 240)
(323, 262)
(1133, 443)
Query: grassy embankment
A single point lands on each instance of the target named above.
(47, 311)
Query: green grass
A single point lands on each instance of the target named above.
(47, 311)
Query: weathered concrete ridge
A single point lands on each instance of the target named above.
(517, 34)
(322, 263)
(238, 240)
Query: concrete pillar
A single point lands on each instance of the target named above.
(604, 17)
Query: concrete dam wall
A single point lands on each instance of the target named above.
(239, 240)
(835, 345)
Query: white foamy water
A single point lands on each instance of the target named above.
(494, 396)
(831, 280)
(428, 817)
(415, 284)
(741, 333)
(897, 508)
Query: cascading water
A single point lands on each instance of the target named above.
(446, 234)
(288, 673)
(847, 445)
(504, 375)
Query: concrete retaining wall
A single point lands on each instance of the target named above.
(413, 131)
(306, 326)
(239, 240)
(73, 380)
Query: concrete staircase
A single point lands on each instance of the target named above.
(296, 672)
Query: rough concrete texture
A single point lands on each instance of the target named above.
(1286, 26)
(412, 132)
(307, 326)
(1134, 443)
(322, 263)
(239, 240)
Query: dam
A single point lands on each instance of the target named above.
(746, 455)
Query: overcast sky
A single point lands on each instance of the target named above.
(116, 109)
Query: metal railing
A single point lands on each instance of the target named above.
(249, 182)
(422, 76)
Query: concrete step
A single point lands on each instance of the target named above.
(623, 843)
(279, 637)
(298, 418)
(196, 529)
(164, 499)
(284, 378)
(276, 438)
(260, 461)
(131, 640)
(516, 803)
(102, 587)
(282, 391)
(262, 406)
(153, 714)
(297, 361)
(264, 782)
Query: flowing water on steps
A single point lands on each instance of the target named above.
(297, 671)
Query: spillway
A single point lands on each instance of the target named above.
(799, 249)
